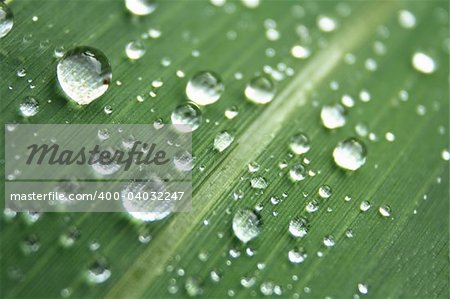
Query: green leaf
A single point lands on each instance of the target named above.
(403, 255)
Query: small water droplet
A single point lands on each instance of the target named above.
(231, 112)
(193, 286)
(298, 227)
(260, 90)
(205, 88)
(300, 52)
(246, 225)
(406, 19)
(297, 173)
(251, 3)
(183, 161)
(141, 7)
(222, 141)
(98, 271)
(363, 288)
(29, 107)
(445, 154)
(350, 154)
(326, 24)
(385, 211)
(253, 167)
(84, 74)
(6, 19)
(333, 116)
(364, 206)
(329, 241)
(258, 183)
(423, 63)
(188, 115)
(135, 50)
(21, 72)
(299, 144)
(325, 191)
(297, 255)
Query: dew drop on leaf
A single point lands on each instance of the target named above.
(246, 225)
(205, 88)
(260, 90)
(188, 115)
(141, 7)
(350, 154)
(6, 19)
(84, 74)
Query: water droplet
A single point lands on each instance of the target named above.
(135, 50)
(105, 169)
(215, 275)
(205, 88)
(251, 3)
(347, 101)
(188, 115)
(312, 206)
(363, 288)
(364, 96)
(231, 112)
(445, 154)
(298, 227)
(69, 238)
(325, 191)
(350, 154)
(145, 210)
(385, 211)
(423, 63)
(329, 241)
(361, 129)
(21, 72)
(84, 74)
(98, 271)
(154, 33)
(406, 19)
(222, 141)
(299, 144)
(193, 287)
(297, 173)
(300, 52)
(108, 109)
(364, 206)
(30, 245)
(260, 90)
(267, 288)
(145, 238)
(326, 24)
(141, 7)
(29, 107)
(297, 255)
(258, 183)
(253, 167)
(183, 161)
(246, 225)
(333, 116)
(6, 19)
(390, 136)
(248, 282)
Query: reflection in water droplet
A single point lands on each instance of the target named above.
(188, 115)
(205, 88)
(260, 90)
(84, 74)
(246, 225)
(350, 154)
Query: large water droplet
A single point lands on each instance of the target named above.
(423, 63)
(29, 107)
(299, 144)
(145, 210)
(350, 154)
(188, 115)
(260, 90)
(333, 116)
(205, 88)
(140, 7)
(6, 19)
(246, 225)
(84, 74)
